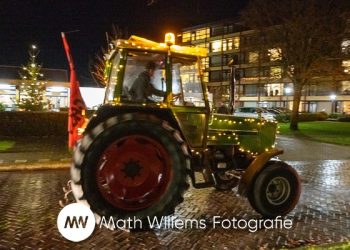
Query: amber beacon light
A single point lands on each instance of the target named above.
(169, 39)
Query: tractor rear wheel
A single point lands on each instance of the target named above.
(276, 190)
(131, 167)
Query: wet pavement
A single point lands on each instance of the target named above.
(29, 207)
(297, 148)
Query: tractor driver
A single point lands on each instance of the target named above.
(142, 87)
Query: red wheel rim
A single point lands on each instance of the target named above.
(134, 172)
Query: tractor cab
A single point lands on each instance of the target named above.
(177, 74)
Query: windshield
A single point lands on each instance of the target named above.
(187, 81)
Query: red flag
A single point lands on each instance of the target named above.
(77, 107)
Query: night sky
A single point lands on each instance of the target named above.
(40, 22)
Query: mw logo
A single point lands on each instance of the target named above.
(74, 221)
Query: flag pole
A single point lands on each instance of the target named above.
(77, 107)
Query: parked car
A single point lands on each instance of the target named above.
(253, 112)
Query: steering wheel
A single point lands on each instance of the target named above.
(176, 97)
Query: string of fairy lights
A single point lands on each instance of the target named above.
(227, 130)
(231, 131)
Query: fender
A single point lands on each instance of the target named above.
(254, 168)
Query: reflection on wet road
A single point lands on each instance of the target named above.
(296, 149)
(29, 208)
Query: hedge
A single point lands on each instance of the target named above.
(340, 117)
(344, 118)
(303, 117)
(309, 117)
(33, 123)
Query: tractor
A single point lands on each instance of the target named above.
(136, 158)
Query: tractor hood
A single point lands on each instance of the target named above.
(252, 135)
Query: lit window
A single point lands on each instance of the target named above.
(275, 54)
(216, 46)
(346, 66)
(275, 89)
(345, 88)
(253, 57)
(205, 62)
(229, 44)
(193, 36)
(276, 72)
(205, 77)
(202, 33)
(224, 45)
(345, 47)
(236, 42)
(186, 37)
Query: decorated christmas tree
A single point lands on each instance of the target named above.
(31, 90)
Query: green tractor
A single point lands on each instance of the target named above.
(136, 156)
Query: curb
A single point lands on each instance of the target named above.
(35, 166)
(44, 160)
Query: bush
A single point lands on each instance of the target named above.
(303, 117)
(345, 118)
(310, 117)
(283, 117)
(33, 123)
(335, 115)
(2, 107)
(341, 117)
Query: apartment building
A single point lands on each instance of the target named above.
(258, 73)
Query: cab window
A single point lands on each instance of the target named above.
(113, 78)
(186, 80)
(136, 64)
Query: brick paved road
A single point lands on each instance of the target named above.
(29, 207)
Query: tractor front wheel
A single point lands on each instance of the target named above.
(276, 190)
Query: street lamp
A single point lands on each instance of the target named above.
(288, 90)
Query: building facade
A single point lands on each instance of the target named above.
(258, 73)
(57, 86)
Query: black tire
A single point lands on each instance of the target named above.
(224, 181)
(88, 152)
(276, 190)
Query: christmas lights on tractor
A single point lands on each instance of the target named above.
(136, 154)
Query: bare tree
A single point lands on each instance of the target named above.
(306, 32)
(97, 66)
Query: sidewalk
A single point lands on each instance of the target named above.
(35, 151)
(52, 152)
(302, 149)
